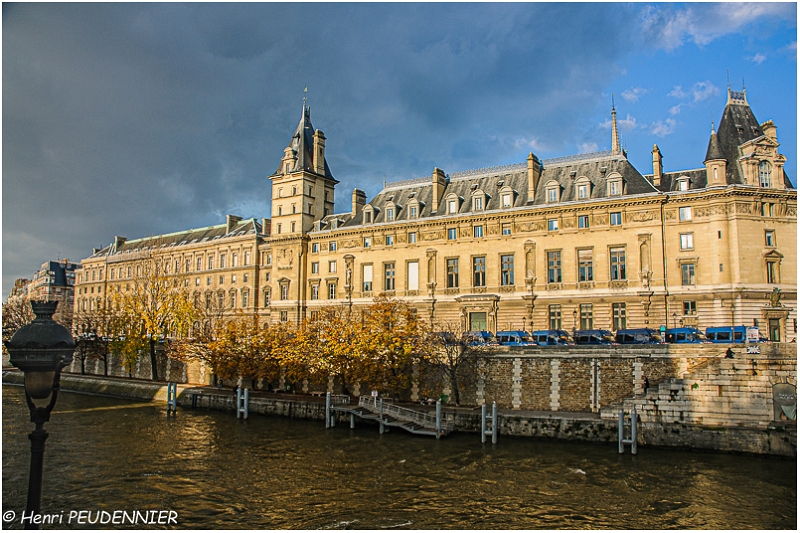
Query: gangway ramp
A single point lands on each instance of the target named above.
(388, 414)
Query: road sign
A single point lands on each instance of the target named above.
(752, 334)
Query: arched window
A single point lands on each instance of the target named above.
(765, 174)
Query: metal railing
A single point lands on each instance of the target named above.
(402, 413)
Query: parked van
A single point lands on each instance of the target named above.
(638, 336)
(737, 334)
(552, 337)
(515, 338)
(480, 338)
(684, 336)
(594, 336)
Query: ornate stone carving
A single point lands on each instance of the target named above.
(285, 259)
(670, 214)
(641, 216)
(402, 238)
(452, 290)
(492, 229)
(350, 243)
(585, 285)
(465, 232)
(507, 288)
(433, 235)
(709, 211)
(618, 284)
(412, 293)
(530, 226)
(746, 209)
(600, 220)
(554, 286)
(568, 222)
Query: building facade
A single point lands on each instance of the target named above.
(54, 281)
(577, 242)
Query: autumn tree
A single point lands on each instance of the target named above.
(16, 313)
(155, 304)
(393, 340)
(96, 330)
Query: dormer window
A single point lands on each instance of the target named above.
(506, 196)
(553, 190)
(479, 199)
(369, 214)
(412, 211)
(765, 174)
(682, 183)
(582, 188)
(614, 183)
(453, 203)
(390, 214)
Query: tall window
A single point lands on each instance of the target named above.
(210, 262)
(617, 264)
(587, 316)
(332, 290)
(284, 292)
(690, 307)
(506, 270)
(331, 266)
(233, 300)
(234, 259)
(618, 316)
(388, 277)
(687, 241)
(315, 292)
(765, 174)
(477, 203)
(452, 273)
(390, 214)
(687, 274)
(553, 267)
(479, 271)
(199, 266)
(412, 213)
(555, 316)
(315, 267)
(772, 271)
(769, 238)
(367, 278)
(585, 270)
(413, 275)
(222, 260)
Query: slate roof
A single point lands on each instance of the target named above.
(182, 238)
(302, 145)
(737, 126)
(669, 180)
(597, 167)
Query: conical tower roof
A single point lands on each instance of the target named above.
(714, 150)
(302, 145)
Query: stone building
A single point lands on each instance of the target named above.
(54, 281)
(577, 242)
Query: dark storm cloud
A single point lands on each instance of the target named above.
(139, 119)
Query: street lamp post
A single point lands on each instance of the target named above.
(41, 349)
(674, 320)
(574, 321)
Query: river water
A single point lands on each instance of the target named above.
(217, 472)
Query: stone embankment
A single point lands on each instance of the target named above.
(777, 438)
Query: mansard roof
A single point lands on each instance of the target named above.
(182, 238)
(698, 179)
(597, 168)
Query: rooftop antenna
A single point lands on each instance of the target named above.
(305, 92)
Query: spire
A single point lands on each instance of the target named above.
(714, 151)
(614, 132)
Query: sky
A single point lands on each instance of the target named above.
(143, 119)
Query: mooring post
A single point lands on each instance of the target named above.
(380, 415)
(621, 430)
(438, 419)
(352, 421)
(622, 440)
(633, 431)
(328, 410)
(242, 403)
(483, 423)
(494, 422)
(172, 398)
(238, 402)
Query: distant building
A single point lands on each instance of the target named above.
(54, 281)
(577, 242)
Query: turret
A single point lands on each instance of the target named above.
(715, 162)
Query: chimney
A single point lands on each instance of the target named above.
(770, 130)
(534, 173)
(319, 152)
(658, 168)
(118, 242)
(230, 222)
(439, 184)
(266, 226)
(359, 201)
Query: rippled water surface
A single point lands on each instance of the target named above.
(275, 473)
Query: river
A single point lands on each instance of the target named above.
(217, 472)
